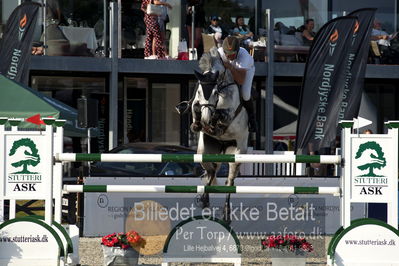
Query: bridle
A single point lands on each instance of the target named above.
(220, 85)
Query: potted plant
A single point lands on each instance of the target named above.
(122, 248)
(295, 246)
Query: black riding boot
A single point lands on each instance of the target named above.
(249, 106)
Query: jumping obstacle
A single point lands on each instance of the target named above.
(198, 158)
(335, 191)
(42, 151)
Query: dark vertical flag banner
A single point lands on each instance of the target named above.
(16, 45)
(321, 95)
(355, 67)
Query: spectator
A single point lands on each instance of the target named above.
(199, 21)
(154, 44)
(280, 27)
(37, 48)
(379, 35)
(226, 23)
(214, 28)
(308, 34)
(318, 169)
(367, 131)
(243, 33)
(162, 20)
(53, 12)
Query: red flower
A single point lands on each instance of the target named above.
(123, 240)
(289, 242)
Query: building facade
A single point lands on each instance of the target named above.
(137, 97)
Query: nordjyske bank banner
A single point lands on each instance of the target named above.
(16, 45)
(323, 81)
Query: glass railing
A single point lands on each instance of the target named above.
(75, 29)
(66, 28)
(292, 45)
(81, 28)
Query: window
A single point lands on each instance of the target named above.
(385, 10)
(294, 13)
(165, 121)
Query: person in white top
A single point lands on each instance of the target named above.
(379, 35)
(215, 29)
(241, 65)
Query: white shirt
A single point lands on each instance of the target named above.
(216, 29)
(243, 60)
(375, 32)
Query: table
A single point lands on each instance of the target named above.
(77, 35)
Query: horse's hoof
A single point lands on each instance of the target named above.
(203, 201)
(196, 127)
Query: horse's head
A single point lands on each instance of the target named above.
(212, 62)
(217, 96)
(207, 82)
(206, 98)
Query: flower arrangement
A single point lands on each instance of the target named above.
(124, 240)
(287, 242)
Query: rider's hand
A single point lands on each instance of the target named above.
(227, 64)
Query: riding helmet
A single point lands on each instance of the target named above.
(231, 45)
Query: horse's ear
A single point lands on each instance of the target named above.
(215, 75)
(198, 75)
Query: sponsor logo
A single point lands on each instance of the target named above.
(333, 41)
(357, 26)
(372, 152)
(21, 29)
(371, 158)
(355, 32)
(24, 153)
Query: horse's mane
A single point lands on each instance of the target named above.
(212, 62)
(208, 60)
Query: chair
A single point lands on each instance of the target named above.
(375, 54)
(208, 41)
(258, 50)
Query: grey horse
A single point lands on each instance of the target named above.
(220, 119)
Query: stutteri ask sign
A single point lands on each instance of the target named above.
(27, 166)
(372, 168)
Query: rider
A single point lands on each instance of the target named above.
(241, 65)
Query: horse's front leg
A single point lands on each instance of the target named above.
(196, 125)
(210, 177)
(233, 172)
